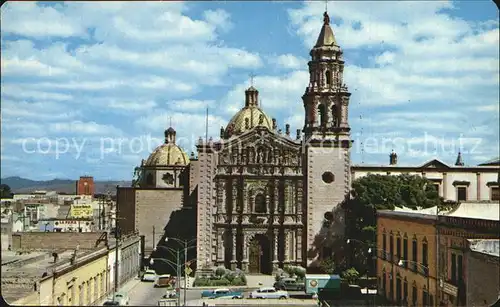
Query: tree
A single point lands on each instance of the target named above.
(328, 265)
(5, 191)
(384, 192)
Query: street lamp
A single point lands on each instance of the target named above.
(186, 247)
(426, 272)
(177, 267)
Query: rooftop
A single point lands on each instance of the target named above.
(486, 246)
(486, 210)
(22, 270)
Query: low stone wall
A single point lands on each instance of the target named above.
(58, 240)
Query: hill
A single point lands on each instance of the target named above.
(23, 185)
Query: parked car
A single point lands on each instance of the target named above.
(121, 298)
(221, 293)
(289, 284)
(169, 294)
(149, 275)
(269, 292)
(111, 303)
(164, 280)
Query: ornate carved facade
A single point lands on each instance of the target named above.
(263, 195)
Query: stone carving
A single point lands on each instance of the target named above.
(168, 178)
(261, 119)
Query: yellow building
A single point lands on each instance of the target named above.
(76, 276)
(406, 264)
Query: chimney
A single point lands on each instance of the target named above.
(251, 97)
(298, 135)
(287, 129)
(274, 124)
(393, 158)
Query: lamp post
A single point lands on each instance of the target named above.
(186, 247)
(177, 269)
(426, 272)
(178, 265)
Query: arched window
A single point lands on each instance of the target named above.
(334, 115)
(329, 78)
(322, 114)
(260, 204)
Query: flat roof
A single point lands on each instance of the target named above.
(20, 272)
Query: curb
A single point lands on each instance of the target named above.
(226, 287)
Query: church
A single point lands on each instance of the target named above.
(256, 198)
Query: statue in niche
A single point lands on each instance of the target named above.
(280, 157)
(270, 155)
(235, 158)
(260, 156)
(250, 155)
(261, 119)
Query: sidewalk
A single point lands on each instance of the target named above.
(126, 287)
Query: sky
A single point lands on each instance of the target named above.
(88, 88)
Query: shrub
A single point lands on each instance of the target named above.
(230, 277)
(219, 272)
(290, 270)
(243, 279)
(351, 276)
(220, 282)
(201, 282)
(300, 272)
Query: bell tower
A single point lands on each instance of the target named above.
(326, 98)
(327, 145)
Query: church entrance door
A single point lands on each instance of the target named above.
(259, 257)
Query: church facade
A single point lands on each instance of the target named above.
(263, 196)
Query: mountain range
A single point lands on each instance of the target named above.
(23, 185)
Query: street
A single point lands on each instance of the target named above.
(145, 294)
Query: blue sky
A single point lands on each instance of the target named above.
(88, 88)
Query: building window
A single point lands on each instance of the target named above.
(322, 114)
(461, 193)
(71, 293)
(424, 298)
(495, 193)
(391, 246)
(328, 78)
(260, 203)
(384, 245)
(405, 292)
(384, 283)
(425, 256)
(398, 248)
(414, 295)
(89, 298)
(80, 295)
(399, 290)
(414, 252)
(454, 268)
(459, 267)
(96, 289)
(405, 251)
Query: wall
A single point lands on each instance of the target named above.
(129, 260)
(78, 287)
(409, 225)
(57, 240)
(483, 281)
(153, 209)
(125, 200)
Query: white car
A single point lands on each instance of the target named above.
(121, 298)
(269, 292)
(149, 275)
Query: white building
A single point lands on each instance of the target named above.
(454, 182)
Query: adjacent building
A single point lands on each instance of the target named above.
(458, 182)
(66, 269)
(422, 255)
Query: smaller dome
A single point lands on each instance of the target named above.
(167, 155)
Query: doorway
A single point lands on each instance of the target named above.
(259, 256)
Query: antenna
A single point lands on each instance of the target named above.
(326, 5)
(170, 118)
(206, 127)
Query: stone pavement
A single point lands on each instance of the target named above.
(260, 280)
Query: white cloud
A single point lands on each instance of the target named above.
(289, 61)
(84, 128)
(190, 105)
(218, 18)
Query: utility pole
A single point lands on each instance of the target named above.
(154, 242)
(185, 269)
(117, 235)
(178, 280)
